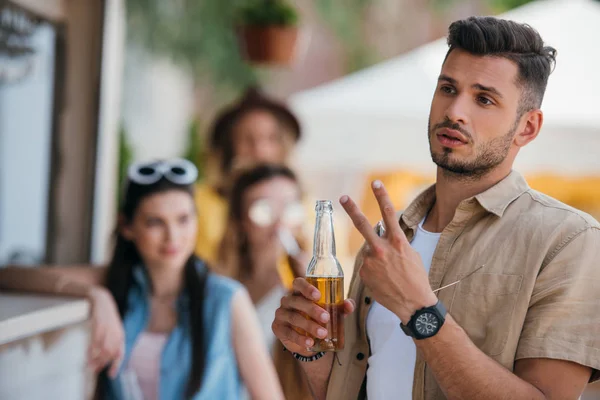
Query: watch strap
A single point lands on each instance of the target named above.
(438, 309)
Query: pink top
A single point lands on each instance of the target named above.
(145, 362)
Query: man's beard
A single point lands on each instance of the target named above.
(488, 155)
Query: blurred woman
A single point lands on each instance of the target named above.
(163, 325)
(254, 130)
(264, 228)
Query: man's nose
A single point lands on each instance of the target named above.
(458, 110)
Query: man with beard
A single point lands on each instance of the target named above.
(482, 288)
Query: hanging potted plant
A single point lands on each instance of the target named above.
(267, 32)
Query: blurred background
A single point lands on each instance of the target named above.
(88, 86)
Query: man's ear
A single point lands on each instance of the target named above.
(532, 123)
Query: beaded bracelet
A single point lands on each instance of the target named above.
(302, 358)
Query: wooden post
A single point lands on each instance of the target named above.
(75, 123)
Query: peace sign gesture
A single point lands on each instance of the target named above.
(391, 268)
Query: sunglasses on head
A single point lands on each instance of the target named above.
(178, 171)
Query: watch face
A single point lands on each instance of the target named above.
(427, 324)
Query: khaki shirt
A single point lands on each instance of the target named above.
(538, 295)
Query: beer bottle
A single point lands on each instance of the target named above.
(325, 273)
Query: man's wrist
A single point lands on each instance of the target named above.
(406, 312)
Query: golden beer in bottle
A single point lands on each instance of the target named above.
(325, 273)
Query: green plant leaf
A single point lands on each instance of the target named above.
(347, 23)
(194, 151)
(269, 12)
(125, 157)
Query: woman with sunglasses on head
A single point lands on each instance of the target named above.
(163, 325)
(266, 216)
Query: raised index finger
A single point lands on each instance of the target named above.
(359, 220)
(388, 212)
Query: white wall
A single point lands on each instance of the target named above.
(50, 366)
(25, 139)
(158, 99)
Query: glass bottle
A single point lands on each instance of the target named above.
(325, 273)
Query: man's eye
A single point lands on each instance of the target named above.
(485, 101)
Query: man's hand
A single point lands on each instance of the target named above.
(292, 328)
(391, 268)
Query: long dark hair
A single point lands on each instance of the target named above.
(125, 257)
(234, 251)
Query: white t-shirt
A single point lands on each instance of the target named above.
(393, 354)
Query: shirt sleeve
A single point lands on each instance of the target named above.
(563, 319)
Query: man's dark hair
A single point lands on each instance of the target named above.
(520, 43)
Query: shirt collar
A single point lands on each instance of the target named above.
(497, 198)
(494, 200)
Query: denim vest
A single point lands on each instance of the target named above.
(221, 375)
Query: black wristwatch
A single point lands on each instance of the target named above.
(426, 322)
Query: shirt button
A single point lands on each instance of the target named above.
(360, 356)
(367, 300)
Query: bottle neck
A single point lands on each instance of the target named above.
(324, 244)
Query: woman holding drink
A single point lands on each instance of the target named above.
(266, 216)
(266, 213)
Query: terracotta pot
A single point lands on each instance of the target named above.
(268, 44)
